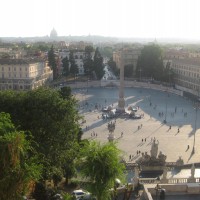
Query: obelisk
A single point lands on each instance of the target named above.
(121, 101)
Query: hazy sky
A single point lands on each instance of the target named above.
(122, 18)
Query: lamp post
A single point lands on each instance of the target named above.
(165, 120)
(157, 188)
(195, 128)
(140, 73)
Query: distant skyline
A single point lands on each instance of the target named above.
(113, 18)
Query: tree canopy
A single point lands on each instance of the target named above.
(52, 119)
(150, 63)
(98, 64)
(100, 165)
(93, 66)
(65, 66)
(52, 62)
(19, 164)
(73, 65)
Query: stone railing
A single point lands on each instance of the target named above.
(169, 181)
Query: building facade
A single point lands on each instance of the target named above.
(78, 56)
(126, 56)
(187, 74)
(23, 74)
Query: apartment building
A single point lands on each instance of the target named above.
(24, 74)
(187, 74)
(78, 56)
(127, 56)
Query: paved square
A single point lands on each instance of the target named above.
(156, 107)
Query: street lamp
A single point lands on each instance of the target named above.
(140, 73)
(195, 128)
(157, 188)
(165, 120)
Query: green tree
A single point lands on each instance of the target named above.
(19, 165)
(66, 92)
(50, 117)
(52, 62)
(150, 62)
(100, 165)
(113, 66)
(98, 64)
(65, 66)
(128, 70)
(73, 65)
(88, 62)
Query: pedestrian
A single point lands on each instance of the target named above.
(130, 157)
(138, 127)
(145, 139)
(139, 152)
(96, 134)
(170, 127)
(178, 130)
(142, 140)
(141, 125)
(122, 134)
(188, 146)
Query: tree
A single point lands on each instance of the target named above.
(19, 164)
(52, 62)
(65, 66)
(101, 165)
(88, 63)
(113, 66)
(98, 64)
(51, 118)
(73, 65)
(150, 62)
(66, 92)
(128, 70)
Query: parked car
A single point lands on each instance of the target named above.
(80, 194)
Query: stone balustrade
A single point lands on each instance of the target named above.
(169, 181)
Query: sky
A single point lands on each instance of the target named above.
(115, 18)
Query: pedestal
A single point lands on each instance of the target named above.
(111, 137)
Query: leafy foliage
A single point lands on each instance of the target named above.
(52, 62)
(101, 165)
(88, 62)
(128, 70)
(65, 62)
(150, 62)
(73, 65)
(98, 64)
(113, 66)
(52, 120)
(19, 165)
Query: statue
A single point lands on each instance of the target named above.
(192, 170)
(154, 149)
(180, 161)
(162, 157)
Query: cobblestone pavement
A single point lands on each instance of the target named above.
(178, 112)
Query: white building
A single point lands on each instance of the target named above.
(78, 56)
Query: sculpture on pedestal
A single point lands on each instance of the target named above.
(154, 149)
(111, 128)
(152, 159)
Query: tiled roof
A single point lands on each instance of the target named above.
(187, 61)
(5, 61)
